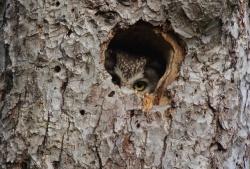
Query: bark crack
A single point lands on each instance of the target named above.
(57, 164)
(96, 139)
(63, 88)
(98, 157)
(45, 138)
(209, 103)
(11, 112)
(245, 104)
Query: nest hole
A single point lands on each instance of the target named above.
(141, 45)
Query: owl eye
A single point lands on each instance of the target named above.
(140, 85)
(116, 80)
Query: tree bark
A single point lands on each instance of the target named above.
(60, 109)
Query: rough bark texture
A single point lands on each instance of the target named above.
(59, 108)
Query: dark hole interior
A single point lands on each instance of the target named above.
(57, 69)
(111, 94)
(57, 3)
(139, 40)
(82, 112)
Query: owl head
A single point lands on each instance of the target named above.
(133, 71)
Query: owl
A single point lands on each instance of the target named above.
(136, 72)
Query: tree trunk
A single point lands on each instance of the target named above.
(60, 109)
